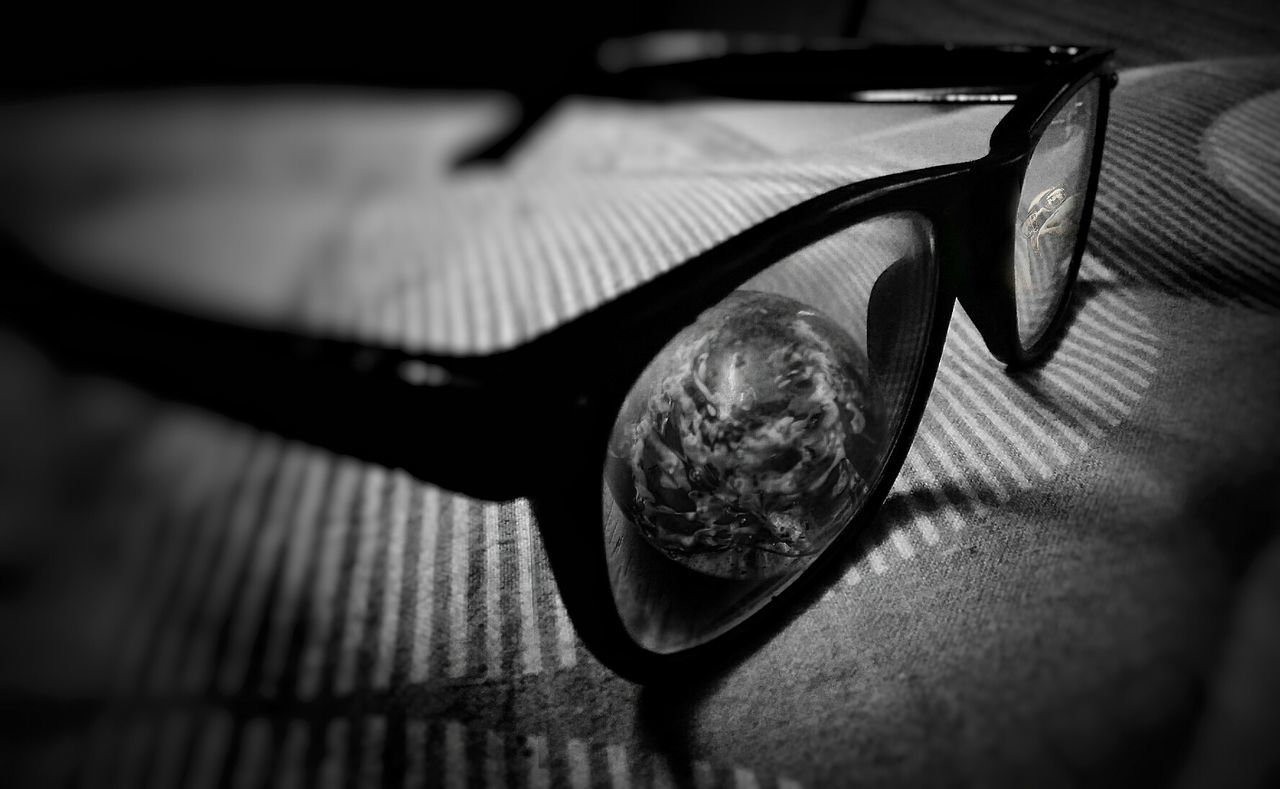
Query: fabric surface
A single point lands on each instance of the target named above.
(1073, 581)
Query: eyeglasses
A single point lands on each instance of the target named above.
(696, 446)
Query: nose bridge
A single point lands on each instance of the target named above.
(976, 243)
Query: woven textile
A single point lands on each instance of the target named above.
(1043, 598)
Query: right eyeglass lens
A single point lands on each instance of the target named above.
(755, 436)
(1049, 212)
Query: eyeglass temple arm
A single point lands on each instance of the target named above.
(673, 66)
(780, 68)
(445, 420)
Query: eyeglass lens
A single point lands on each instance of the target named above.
(753, 439)
(1049, 212)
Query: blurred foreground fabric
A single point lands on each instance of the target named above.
(1075, 581)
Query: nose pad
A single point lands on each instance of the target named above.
(894, 328)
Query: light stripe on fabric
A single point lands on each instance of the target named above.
(324, 599)
(390, 622)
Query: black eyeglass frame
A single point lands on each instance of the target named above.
(560, 392)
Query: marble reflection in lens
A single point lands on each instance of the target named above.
(750, 441)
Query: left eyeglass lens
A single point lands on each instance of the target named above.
(753, 439)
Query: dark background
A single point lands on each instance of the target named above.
(531, 45)
(463, 43)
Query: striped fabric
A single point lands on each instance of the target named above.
(264, 613)
(1219, 105)
(363, 750)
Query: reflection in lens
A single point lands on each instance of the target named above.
(752, 440)
(1050, 209)
(757, 441)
